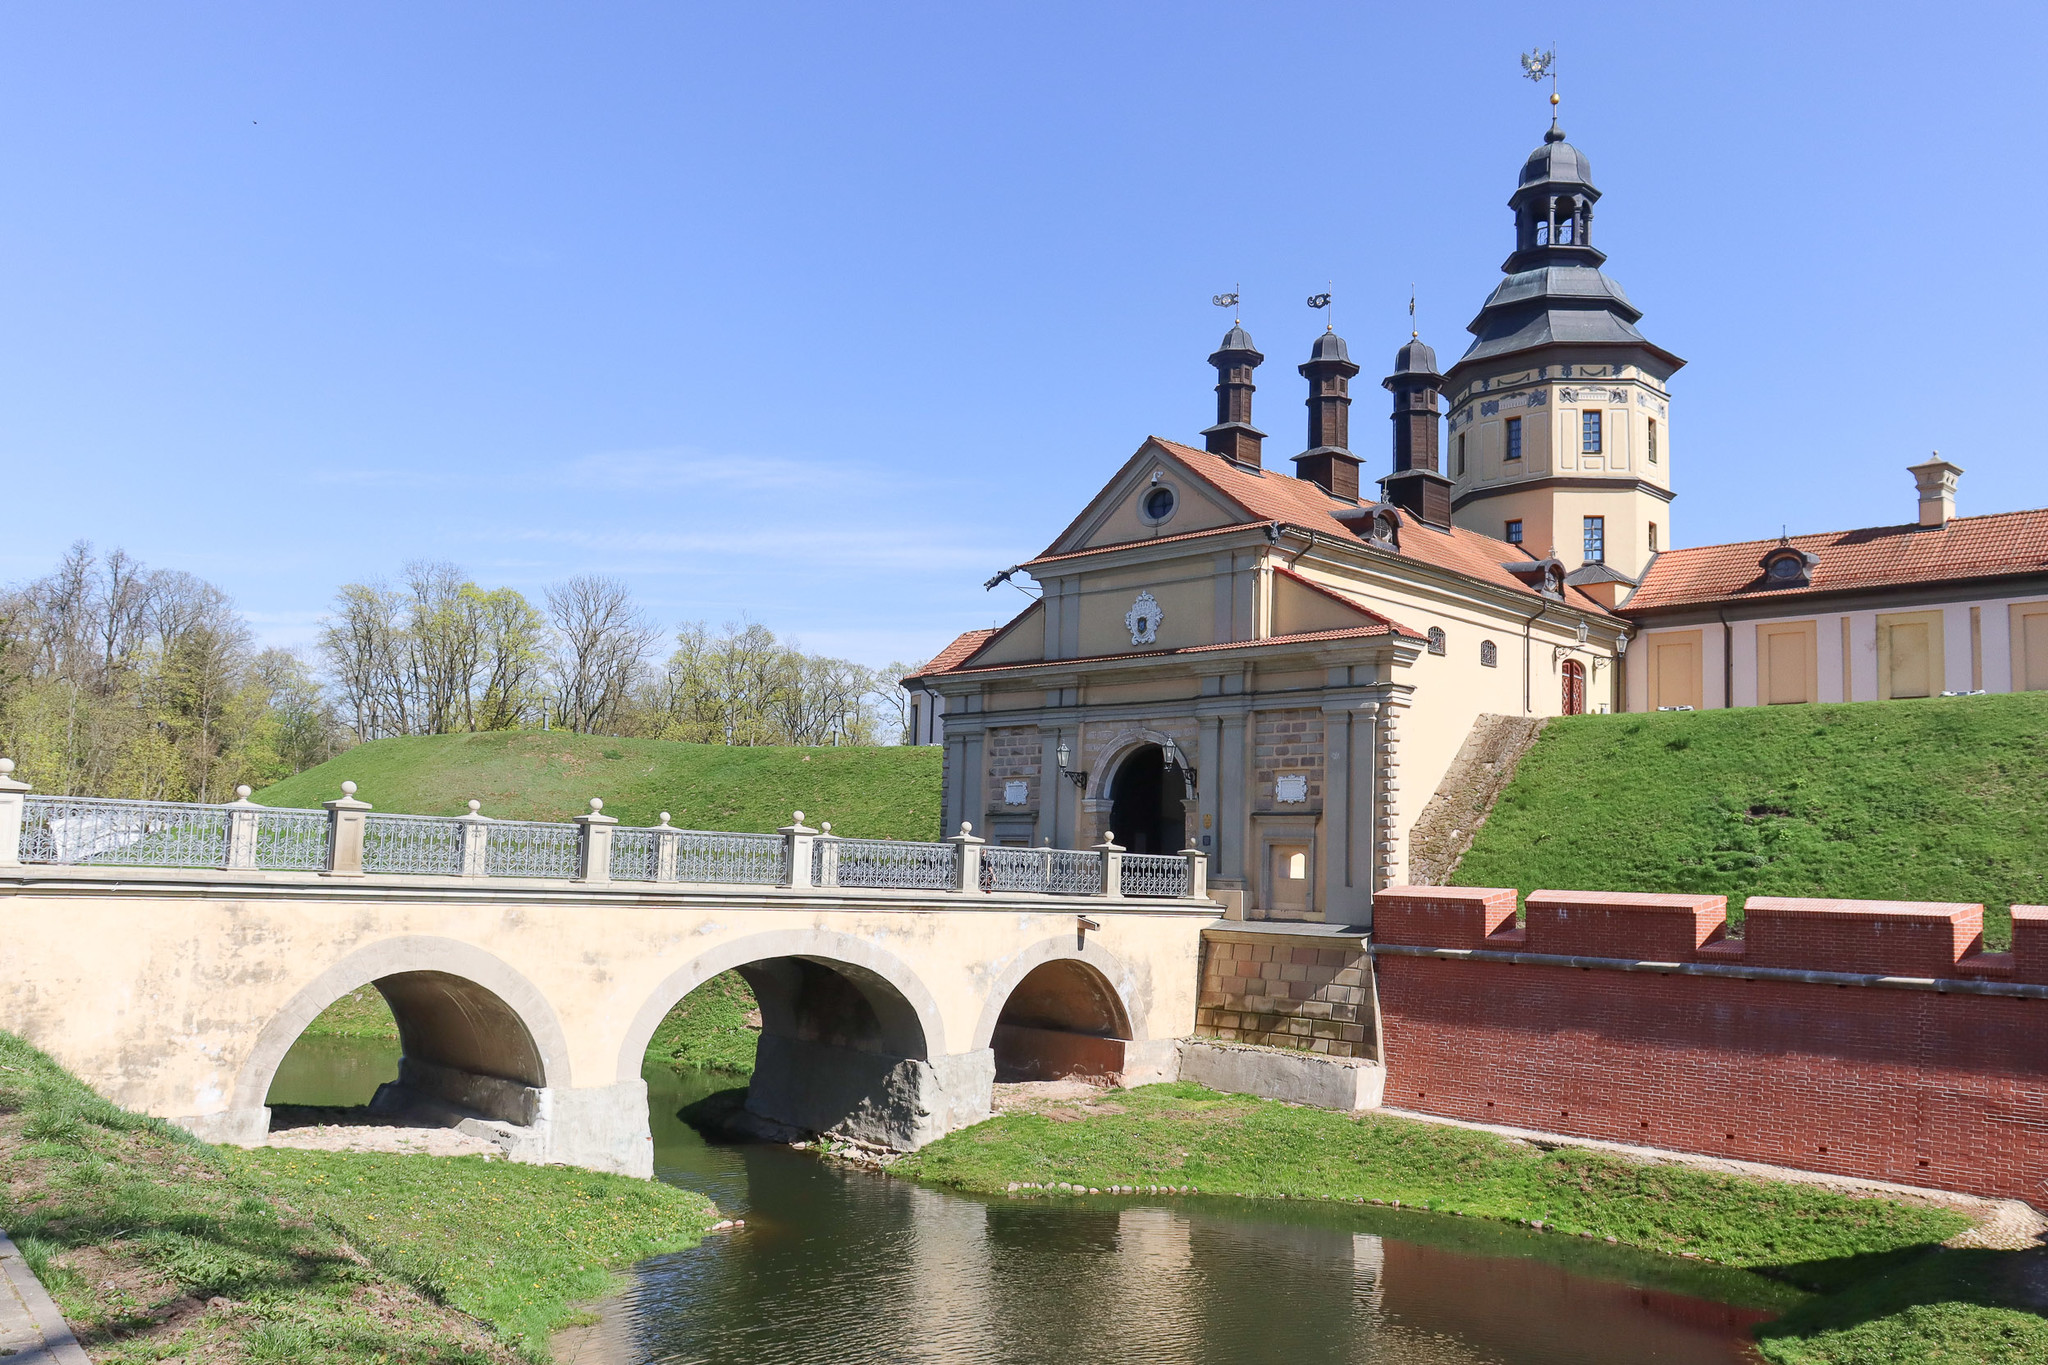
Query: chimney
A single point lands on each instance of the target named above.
(1415, 486)
(1936, 478)
(1328, 461)
(1234, 437)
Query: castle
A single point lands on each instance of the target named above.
(1278, 669)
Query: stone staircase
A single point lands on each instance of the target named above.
(1484, 765)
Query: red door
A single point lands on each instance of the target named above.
(1574, 688)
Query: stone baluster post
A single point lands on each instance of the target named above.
(242, 817)
(828, 855)
(1198, 873)
(668, 842)
(475, 836)
(1112, 864)
(967, 859)
(594, 844)
(13, 802)
(797, 841)
(345, 823)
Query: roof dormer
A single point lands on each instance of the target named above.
(1785, 565)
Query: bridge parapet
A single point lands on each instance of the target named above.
(349, 838)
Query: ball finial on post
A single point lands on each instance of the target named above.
(348, 789)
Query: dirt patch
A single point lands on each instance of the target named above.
(1062, 1100)
(357, 1130)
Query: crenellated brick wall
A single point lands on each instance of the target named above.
(1310, 994)
(1845, 1036)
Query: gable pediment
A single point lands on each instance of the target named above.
(1127, 508)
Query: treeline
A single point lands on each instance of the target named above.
(120, 680)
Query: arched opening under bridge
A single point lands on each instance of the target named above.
(1063, 1021)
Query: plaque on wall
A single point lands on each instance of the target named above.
(1290, 788)
(1143, 619)
(1016, 793)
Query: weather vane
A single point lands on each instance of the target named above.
(1322, 301)
(1413, 333)
(1538, 64)
(1227, 301)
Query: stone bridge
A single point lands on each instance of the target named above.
(171, 954)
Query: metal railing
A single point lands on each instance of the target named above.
(348, 838)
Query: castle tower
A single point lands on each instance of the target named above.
(1416, 486)
(1234, 437)
(1559, 433)
(1328, 460)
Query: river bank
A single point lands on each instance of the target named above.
(1877, 1285)
(155, 1245)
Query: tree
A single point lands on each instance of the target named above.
(601, 644)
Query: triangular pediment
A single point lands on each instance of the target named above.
(1121, 513)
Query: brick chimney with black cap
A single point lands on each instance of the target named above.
(1234, 437)
(1328, 461)
(1415, 486)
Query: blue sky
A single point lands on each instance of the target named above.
(824, 313)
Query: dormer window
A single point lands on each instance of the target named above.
(1386, 529)
(1787, 566)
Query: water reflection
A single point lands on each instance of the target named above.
(844, 1266)
(334, 1071)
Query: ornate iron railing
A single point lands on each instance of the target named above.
(1054, 871)
(112, 833)
(292, 840)
(1154, 874)
(429, 845)
(731, 859)
(532, 848)
(636, 855)
(894, 865)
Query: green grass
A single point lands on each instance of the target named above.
(1878, 1287)
(882, 793)
(708, 1029)
(1944, 799)
(157, 1246)
(361, 1013)
(517, 1246)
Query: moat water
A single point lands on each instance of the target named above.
(842, 1265)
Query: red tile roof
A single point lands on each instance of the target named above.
(1325, 590)
(1271, 496)
(957, 652)
(1381, 627)
(1995, 546)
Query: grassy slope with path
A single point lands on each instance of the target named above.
(1943, 799)
(1881, 1289)
(876, 793)
(158, 1246)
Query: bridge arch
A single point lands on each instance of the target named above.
(908, 1017)
(1110, 971)
(457, 1006)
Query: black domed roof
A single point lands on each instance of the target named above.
(1556, 162)
(1417, 357)
(1329, 346)
(1237, 339)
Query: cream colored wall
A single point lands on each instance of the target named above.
(1198, 508)
(1022, 642)
(1183, 587)
(154, 986)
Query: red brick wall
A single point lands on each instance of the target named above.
(1916, 1086)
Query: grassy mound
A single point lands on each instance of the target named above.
(1943, 799)
(710, 1029)
(881, 793)
(157, 1246)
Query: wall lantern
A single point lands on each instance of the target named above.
(1174, 759)
(1063, 755)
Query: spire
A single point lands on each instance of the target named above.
(1328, 461)
(1416, 486)
(1234, 437)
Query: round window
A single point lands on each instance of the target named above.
(1785, 566)
(1159, 504)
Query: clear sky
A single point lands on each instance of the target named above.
(825, 313)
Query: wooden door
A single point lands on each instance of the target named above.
(1574, 688)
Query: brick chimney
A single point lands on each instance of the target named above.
(1328, 461)
(1234, 437)
(1415, 486)
(1936, 478)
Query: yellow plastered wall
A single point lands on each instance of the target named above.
(2029, 646)
(1909, 654)
(1675, 664)
(1787, 663)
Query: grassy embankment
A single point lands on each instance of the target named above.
(158, 1246)
(1943, 799)
(1874, 1284)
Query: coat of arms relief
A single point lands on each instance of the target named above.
(1143, 619)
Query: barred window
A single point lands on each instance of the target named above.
(1436, 639)
(1589, 431)
(1514, 535)
(1514, 438)
(1596, 540)
(1489, 657)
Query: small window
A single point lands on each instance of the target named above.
(1461, 455)
(1653, 445)
(1514, 536)
(1436, 639)
(1589, 432)
(1596, 540)
(1653, 537)
(1159, 504)
(1489, 657)
(1514, 438)
(1297, 867)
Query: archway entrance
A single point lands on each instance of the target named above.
(1574, 688)
(1148, 813)
(1063, 1020)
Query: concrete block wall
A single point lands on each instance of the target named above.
(1925, 1086)
(1277, 990)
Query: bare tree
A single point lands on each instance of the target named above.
(601, 642)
